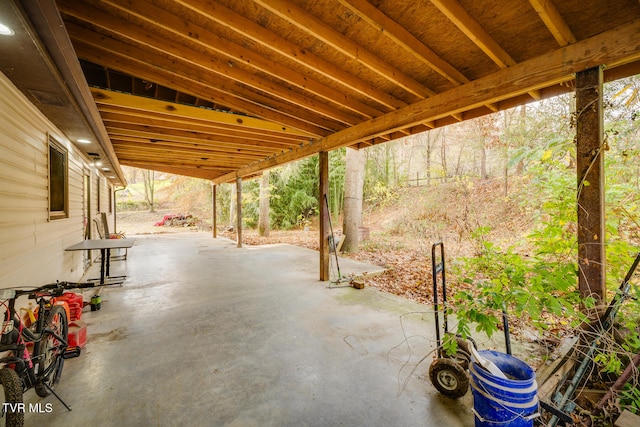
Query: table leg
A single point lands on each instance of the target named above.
(103, 253)
(108, 261)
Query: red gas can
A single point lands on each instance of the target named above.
(75, 304)
(77, 334)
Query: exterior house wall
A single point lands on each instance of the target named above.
(31, 245)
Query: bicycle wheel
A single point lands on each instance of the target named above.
(12, 394)
(47, 353)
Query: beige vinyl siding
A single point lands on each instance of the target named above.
(32, 246)
(104, 199)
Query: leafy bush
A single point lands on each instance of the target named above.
(538, 277)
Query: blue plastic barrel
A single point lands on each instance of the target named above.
(499, 402)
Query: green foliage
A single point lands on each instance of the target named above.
(608, 362)
(223, 196)
(536, 285)
(294, 192)
(381, 175)
(380, 195)
(538, 277)
(539, 283)
(250, 203)
(131, 205)
(630, 398)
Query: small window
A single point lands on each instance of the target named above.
(58, 186)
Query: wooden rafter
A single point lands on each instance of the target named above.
(258, 34)
(197, 142)
(553, 20)
(333, 73)
(405, 39)
(193, 63)
(144, 131)
(230, 137)
(555, 67)
(163, 20)
(307, 22)
(183, 153)
(191, 82)
(177, 111)
(472, 29)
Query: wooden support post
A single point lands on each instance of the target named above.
(239, 210)
(324, 216)
(214, 207)
(590, 170)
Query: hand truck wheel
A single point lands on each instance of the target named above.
(449, 378)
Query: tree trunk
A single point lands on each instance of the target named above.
(265, 193)
(428, 159)
(353, 190)
(214, 208)
(149, 188)
(232, 206)
(506, 157)
(443, 155)
(483, 161)
(387, 160)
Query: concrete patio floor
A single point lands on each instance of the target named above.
(205, 334)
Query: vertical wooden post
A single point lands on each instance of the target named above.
(324, 215)
(214, 207)
(239, 210)
(590, 170)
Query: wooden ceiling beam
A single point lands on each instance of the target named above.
(236, 54)
(208, 174)
(403, 38)
(227, 18)
(620, 45)
(162, 165)
(204, 135)
(154, 106)
(143, 139)
(229, 149)
(323, 32)
(155, 164)
(185, 61)
(159, 150)
(472, 29)
(176, 159)
(196, 88)
(196, 143)
(156, 119)
(551, 17)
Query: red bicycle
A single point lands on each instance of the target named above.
(34, 354)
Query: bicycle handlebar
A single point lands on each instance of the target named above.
(57, 286)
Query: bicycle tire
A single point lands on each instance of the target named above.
(48, 353)
(12, 390)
